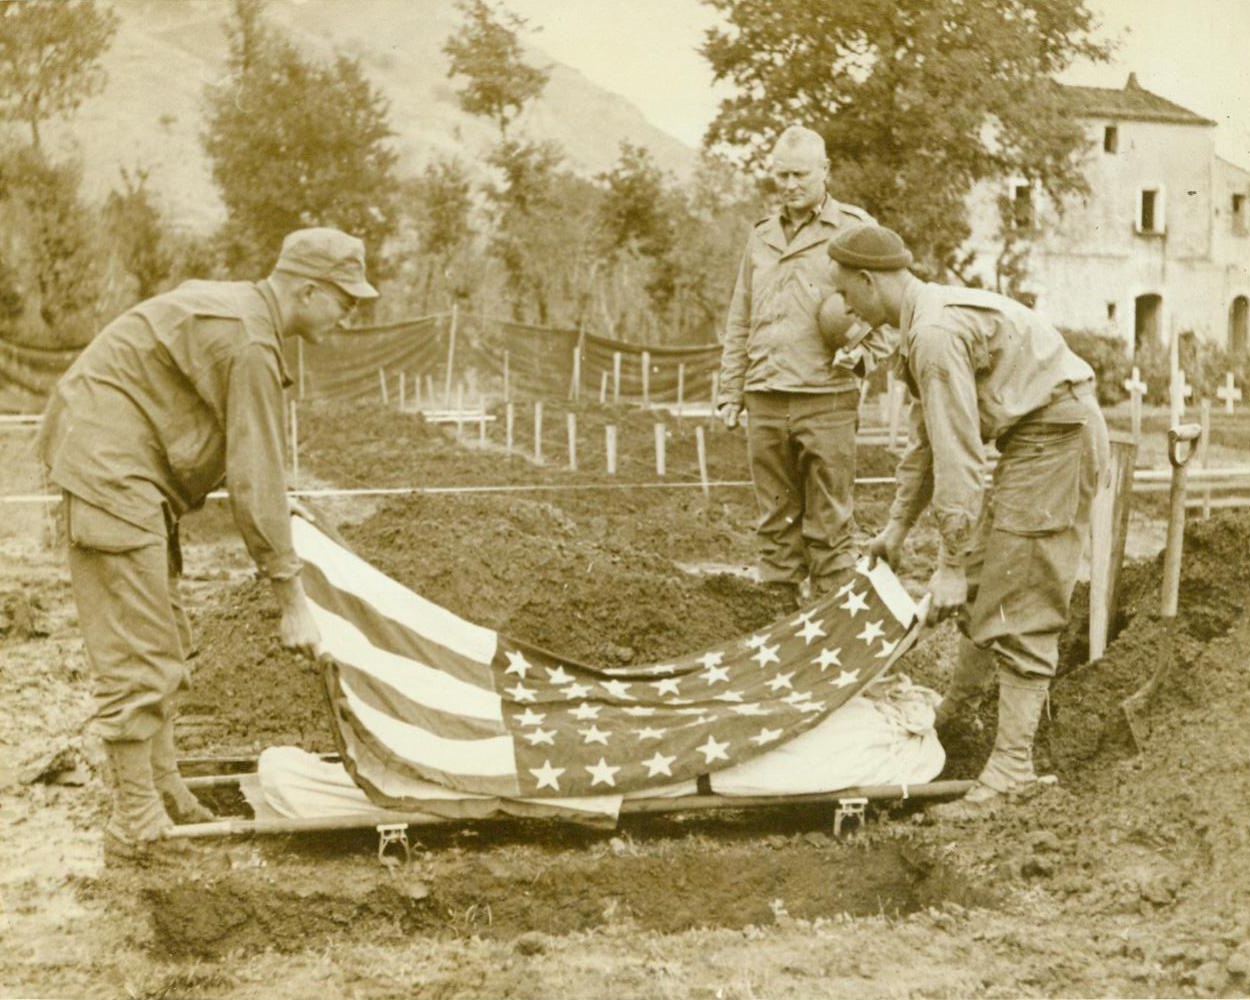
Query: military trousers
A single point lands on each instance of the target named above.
(1027, 544)
(134, 627)
(802, 454)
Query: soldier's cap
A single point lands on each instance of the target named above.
(871, 247)
(327, 255)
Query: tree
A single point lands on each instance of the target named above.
(296, 143)
(137, 230)
(441, 203)
(49, 58)
(918, 100)
(499, 83)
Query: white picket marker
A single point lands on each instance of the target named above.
(681, 387)
(660, 435)
(701, 445)
(509, 422)
(294, 445)
(616, 377)
(571, 425)
(1229, 393)
(507, 395)
(609, 443)
(603, 387)
(645, 363)
(1203, 450)
(1136, 390)
(538, 431)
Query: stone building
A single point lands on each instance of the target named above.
(1161, 243)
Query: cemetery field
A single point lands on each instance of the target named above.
(1130, 877)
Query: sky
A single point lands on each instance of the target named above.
(1193, 52)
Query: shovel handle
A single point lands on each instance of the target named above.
(1182, 434)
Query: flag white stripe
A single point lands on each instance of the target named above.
(351, 574)
(416, 681)
(490, 758)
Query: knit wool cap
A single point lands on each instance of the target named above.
(873, 248)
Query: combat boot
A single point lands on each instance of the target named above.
(135, 829)
(1010, 767)
(180, 802)
(973, 670)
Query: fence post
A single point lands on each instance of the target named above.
(610, 447)
(701, 445)
(299, 359)
(616, 377)
(570, 420)
(1204, 447)
(294, 444)
(660, 463)
(451, 352)
(646, 378)
(538, 431)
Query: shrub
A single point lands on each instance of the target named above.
(1107, 356)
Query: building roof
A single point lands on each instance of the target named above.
(1133, 103)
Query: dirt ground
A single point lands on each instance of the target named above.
(1131, 877)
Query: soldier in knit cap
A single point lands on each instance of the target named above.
(174, 398)
(981, 367)
(797, 381)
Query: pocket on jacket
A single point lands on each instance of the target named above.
(91, 527)
(1037, 486)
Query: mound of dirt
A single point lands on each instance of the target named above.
(1085, 726)
(519, 566)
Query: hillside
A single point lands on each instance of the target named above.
(165, 53)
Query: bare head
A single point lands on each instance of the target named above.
(799, 168)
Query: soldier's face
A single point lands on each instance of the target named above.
(860, 293)
(799, 174)
(323, 307)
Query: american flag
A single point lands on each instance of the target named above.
(416, 691)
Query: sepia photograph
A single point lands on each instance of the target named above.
(684, 499)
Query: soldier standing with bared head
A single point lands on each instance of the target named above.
(800, 392)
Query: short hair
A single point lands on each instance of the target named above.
(797, 137)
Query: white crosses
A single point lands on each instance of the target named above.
(1228, 393)
(1179, 390)
(1136, 389)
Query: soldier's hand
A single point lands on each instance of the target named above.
(297, 629)
(299, 510)
(949, 588)
(729, 414)
(887, 545)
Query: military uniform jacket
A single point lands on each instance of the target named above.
(176, 397)
(979, 364)
(771, 339)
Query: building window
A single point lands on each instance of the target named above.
(1150, 210)
(1111, 139)
(1110, 310)
(1022, 206)
(1239, 213)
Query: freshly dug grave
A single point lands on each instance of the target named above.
(516, 565)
